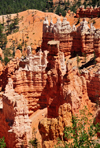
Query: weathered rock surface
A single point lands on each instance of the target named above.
(92, 77)
(72, 40)
(68, 91)
(31, 83)
(15, 123)
(52, 128)
(88, 12)
(18, 54)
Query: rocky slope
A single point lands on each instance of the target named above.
(51, 84)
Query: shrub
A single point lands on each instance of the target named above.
(7, 52)
(2, 143)
(1, 59)
(34, 142)
(19, 47)
(83, 131)
(27, 37)
(94, 21)
(60, 10)
(6, 60)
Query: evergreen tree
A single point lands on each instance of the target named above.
(3, 38)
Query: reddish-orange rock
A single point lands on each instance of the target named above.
(1, 68)
(30, 83)
(67, 91)
(1, 54)
(72, 40)
(88, 12)
(18, 54)
(52, 128)
(15, 123)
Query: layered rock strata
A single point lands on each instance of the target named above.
(66, 91)
(15, 123)
(55, 72)
(52, 128)
(31, 83)
(72, 40)
(92, 77)
(88, 12)
(29, 78)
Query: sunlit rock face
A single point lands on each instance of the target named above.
(66, 94)
(47, 80)
(88, 12)
(72, 40)
(15, 123)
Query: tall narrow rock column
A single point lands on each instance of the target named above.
(54, 90)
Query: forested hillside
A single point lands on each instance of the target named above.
(14, 6)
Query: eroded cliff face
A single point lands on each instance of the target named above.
(22, 83)
(92, 76)
(55, 71)
(32, 83)
(66, 95)
(28, 79)
(72, 40)
(15, 123)
(52, 128)
(74, 98)
(88, 12)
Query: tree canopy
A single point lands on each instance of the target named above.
(14, 6)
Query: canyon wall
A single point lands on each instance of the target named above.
(92, 77)
(72, 40)
(15, 123)
(88, 12)
(23, 85)
(48, 80)
(52, 128)
(66, 93)
(29, 79)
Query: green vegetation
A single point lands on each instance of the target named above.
(19, 47)
(78, 21)
(12, 25)
(94, 21)
(3, 37)
(2, 143)
(78, 60)
(14, 6)
(6, 60)
(34, 142)
(60, 10)
(82, 133)
(1, 59)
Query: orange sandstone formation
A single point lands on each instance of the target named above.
(88, 12)
(47, 80)
(18, 54)
(15, 123)
(72, 40)
(52, 128)
(62, 89)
